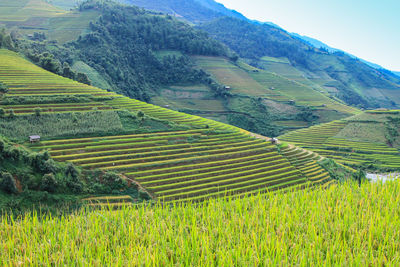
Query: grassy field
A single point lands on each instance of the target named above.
(345, 225)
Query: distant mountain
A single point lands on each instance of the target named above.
(318, 44)
(194, 11)
(314, 63)
(220, 8)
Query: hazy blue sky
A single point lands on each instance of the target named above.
(369, 29)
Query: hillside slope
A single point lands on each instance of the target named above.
(264, 47)
(166, 62)
(173, 155)
(339, 74)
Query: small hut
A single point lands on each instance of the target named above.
(274, 141)
(34, 138)
(227, 88)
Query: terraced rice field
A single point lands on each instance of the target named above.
(25, 79)
(306, 162)
(54, 108)
(187, 165)
(167, 114)
(209, 159)
(243, 80)
(322, 139)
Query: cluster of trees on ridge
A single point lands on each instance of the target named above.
(123, 43)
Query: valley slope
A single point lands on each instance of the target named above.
(171, 155)
(169, 63)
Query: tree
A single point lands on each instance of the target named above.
(359, 176)
(8, 183)
(71, 171)
(12, 114)
(68, 72)
(2, 146)
(48, 62)
(3, 88)
(50, 166)
(140, 114)
(114, 181)
(83, 78)
(2, 112)
(49, 183)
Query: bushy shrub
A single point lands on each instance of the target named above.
(114, 181)
(144, 195)
(2, 112)
(38, 161)
(37, 111)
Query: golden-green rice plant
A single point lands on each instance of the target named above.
(344, 225)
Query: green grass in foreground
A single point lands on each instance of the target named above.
(343, 225)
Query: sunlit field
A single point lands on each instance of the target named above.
(344, 224)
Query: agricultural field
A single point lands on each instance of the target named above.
(172, 155)
(194, 164)
(25, 79)
(369, 139)
(198, 99)
(282, 67)
(30, 16)
(245, 80)
(344, 225)
(230, 75)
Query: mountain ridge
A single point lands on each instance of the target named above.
(360, 85)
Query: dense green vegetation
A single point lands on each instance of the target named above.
(343, 225)
(34, 180)
(122, 46)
